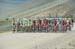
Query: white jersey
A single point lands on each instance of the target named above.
(26, 22)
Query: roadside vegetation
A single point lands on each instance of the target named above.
(4, 22)
(3, 25)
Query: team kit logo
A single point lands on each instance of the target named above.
(49, 24)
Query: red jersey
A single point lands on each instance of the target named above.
(45, 22)
(63, 22)
(55, 22)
